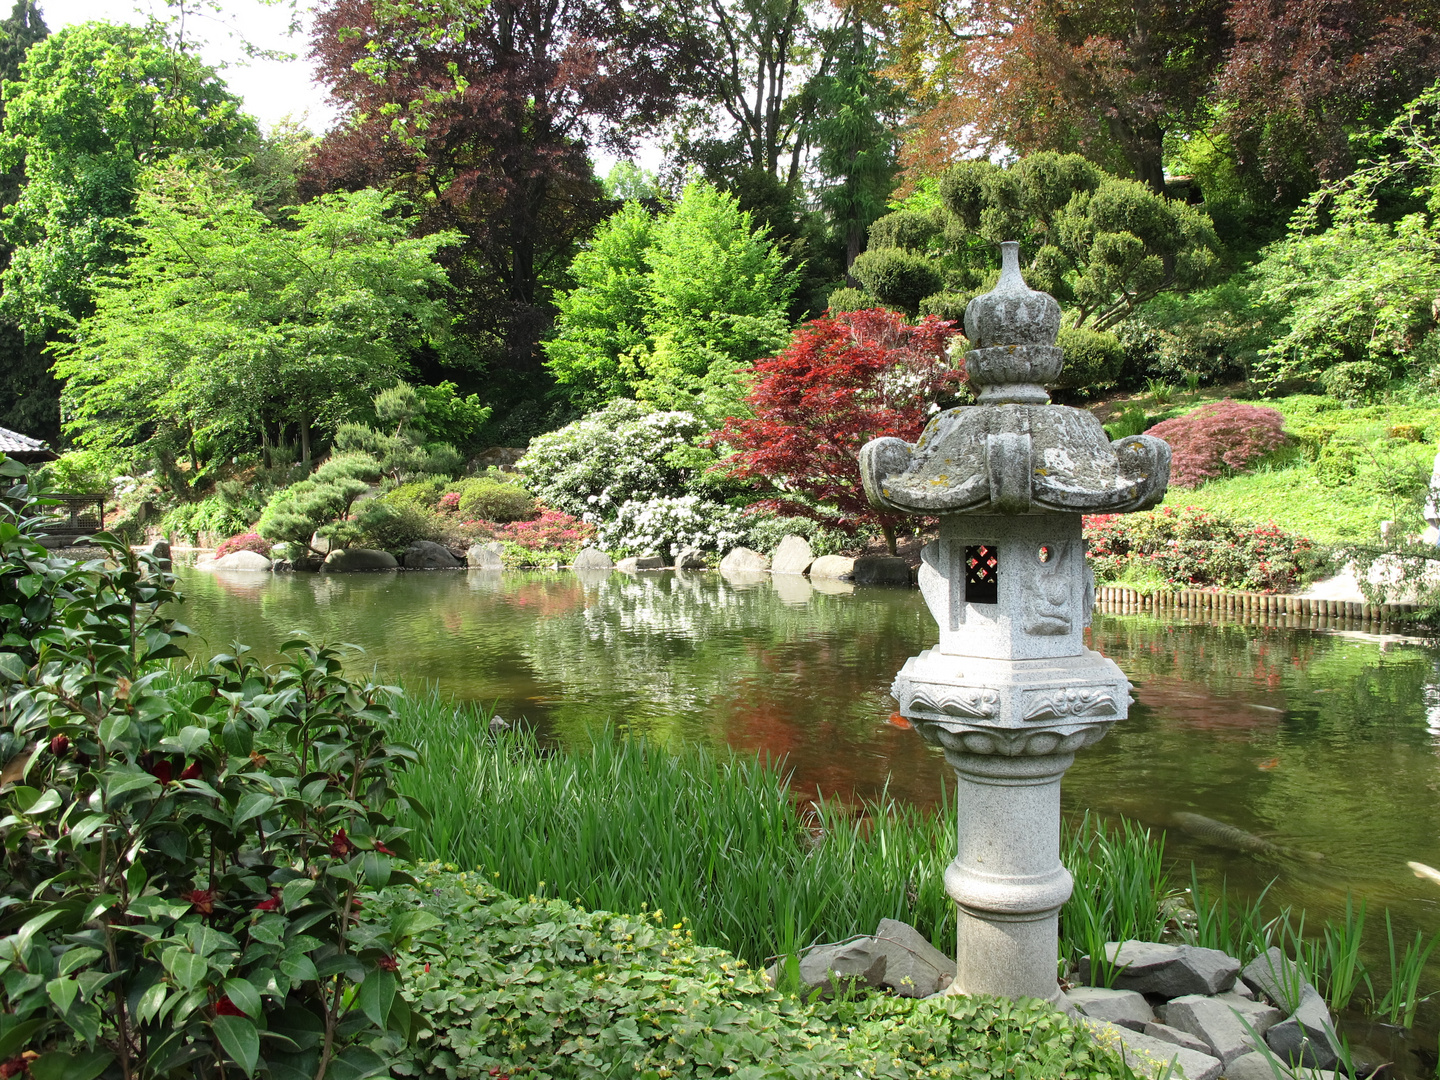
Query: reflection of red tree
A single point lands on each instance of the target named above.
(548, 598)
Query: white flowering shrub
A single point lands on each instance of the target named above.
(612, 456)
(669, 523)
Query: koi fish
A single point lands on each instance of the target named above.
(896, 720)
(1228, 836)
(1266, 766)
(1425, 873)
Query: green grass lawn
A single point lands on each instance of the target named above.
(1331, 483)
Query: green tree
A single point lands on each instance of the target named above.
(224, 325)
(93, 106)
(671, 309)
(400, 452)
(1101, 244)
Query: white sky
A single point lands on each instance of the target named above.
(272, 90)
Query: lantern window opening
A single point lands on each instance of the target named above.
(982, 574)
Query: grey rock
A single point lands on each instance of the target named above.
(628, 565)
(829, 965)
(282, 566)
(1147, 1054)
(913, 967)
(743, 560)
(592, 558)
(498, 724)
(243, 560)
(1123, 1007)
(1241, 990)
(1168, 970)
(836, 567)
(1255, 1066)
(881, 570)
(1276, 976)
(1166, 1033)
(487, 556)
(1258, 1014)
(1214, 1022)
(792, 556)
(428, 555)
(650, 562)
(319, 544)
(160, 552)
(1307, 1036)
(350, 560)
(690, 558)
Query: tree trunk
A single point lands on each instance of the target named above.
(304, 425)
(888, 528)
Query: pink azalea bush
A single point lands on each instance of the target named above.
(449, 502)
(1194, 548)
(1224, 436)
(247, 541)
(554, 533)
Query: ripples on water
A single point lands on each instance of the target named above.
(1318, 741)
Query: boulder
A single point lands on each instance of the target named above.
(913, 967)
(1216, 1023)
(282, 566)
(1307, 1036)
(792, 556)
(1168, 970)
(828, 965)
(881, 570)
(1165, 1033)
(351, 560)
(1148, 1055)
(650, 562)
(1256, 1066)
(1278, 977)
(243, 560)
(628, 565)
(428, 555)
(592, 558)
(488, 556)
(837, 567)
(1259, 1015)
(319, 544)
(1123, 1007)
(743, 560)
(160, 551)
(690, 558)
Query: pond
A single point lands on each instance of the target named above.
(1322, 742)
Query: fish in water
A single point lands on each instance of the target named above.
(1268, 764)
(896, 720)
(1228, 836)
(1425, 873)
(1262, 708)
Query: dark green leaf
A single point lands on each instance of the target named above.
(240, 1040)
(377, 993)
(57, 1065)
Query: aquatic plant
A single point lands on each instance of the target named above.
(1120, 893)
(1403, 998)
(1223, 923)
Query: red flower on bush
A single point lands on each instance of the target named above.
(203, 900)
(449, 502)
(387, 963)
(60, 745)
(1224, 435)
(192, 771)
(272, 904)
(340, 844)
(226, 1007)
(162, 770)
(553, 530)
(380, 847)
(248, 541)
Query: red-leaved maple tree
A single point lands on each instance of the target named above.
(844, 379)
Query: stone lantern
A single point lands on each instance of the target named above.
(1010, 692)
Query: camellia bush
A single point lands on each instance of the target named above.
(184, 854)
(1219, 438)
(1194, 548)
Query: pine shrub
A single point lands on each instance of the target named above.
(1219, 438)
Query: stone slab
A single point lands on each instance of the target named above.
(351, 560)
(690, 558)
(592, 558)
(1277, 977)
(428, 555)
(1165, 1033)
(242, 560)
(1307, 1036)
(743, 560)
(1123, 1007)
(828, 965)
(913, 967)
(791, 556)
(1168, 970)
(881, 570)
(836, 567)
(487, 556)
(1214, 1022)
(1149, 1056)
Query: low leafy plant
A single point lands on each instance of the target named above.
(246, 541)
(184, 854)
(1221, 438)
(1356, 381)
(1190, 547)
(1129, 421)
(490, 499)
(1093, 359)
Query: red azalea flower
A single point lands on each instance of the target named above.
(340, 844)
(59, 745)
(382, 848)
(387, 963)
(192, 771)
(162, 771)
(273, 904)
(226, 1007)
(203, 901)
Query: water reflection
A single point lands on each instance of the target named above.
(1313, 741)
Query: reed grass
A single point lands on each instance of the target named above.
(1222, 922)
(1121, 889)
(1403, 997)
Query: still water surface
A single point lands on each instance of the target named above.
(1324, 742)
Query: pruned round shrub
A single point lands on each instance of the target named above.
(246, 541)
(393, 526)
(1358, 381)
(1224, 436)
(490, 499)
(848, 299)
(1191, 547)
(949, 306)
(1093, 359)
(898, 278)
(909, 230)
